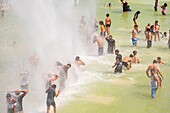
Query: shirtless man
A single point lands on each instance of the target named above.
(158, 72)
(147, 27)
(127, 60)
(149, 38)
(100, 44)
(108, 24)
(78, 62)
(157, 30)
(135, 58)
(134, 35)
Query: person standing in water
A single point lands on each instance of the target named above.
(118, 62)
(11, 104)
(158, 72)
(108, 23)
(99, 41)
(156, 5)
(63, 75)
(102, 29)
(149, 38)
(156, 30)
(51, 93)
(18, 96)
(134, 35)
(111, 44)
(154, 82)
(147, 27)
(164, 8)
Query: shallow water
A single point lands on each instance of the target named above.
(98, 89)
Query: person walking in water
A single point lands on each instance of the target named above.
(108, 24)
(154, 82)
(158, 72)
(51, 93)
(134, 35)
(118, 62)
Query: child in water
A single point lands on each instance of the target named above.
(164, 8)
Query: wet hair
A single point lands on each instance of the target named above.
(156, 21)
(165, 34)
(109, 4)
(165, 5)
(134, 52)
(8, 96)
(69, 65)
(159, 58)
(131, 55)
(110, 36)
(107, 15)
(54, 86)
(101, 23)
(155, 61)
(77, 58)
(116, 50)
(138, 12)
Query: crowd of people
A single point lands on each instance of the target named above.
(97, 35)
